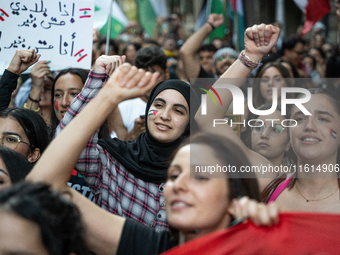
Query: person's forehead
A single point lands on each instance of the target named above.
(170, 93)
(276, 117)
(299, 45)
(155, 68)
(172, 97)
(10, 124)
(227, 56)
(206, 52)
(68, 81)
(318, 103)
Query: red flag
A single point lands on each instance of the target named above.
(296, 233)
(314, 10)
(233, 4)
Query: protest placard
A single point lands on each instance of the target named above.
(61, 31)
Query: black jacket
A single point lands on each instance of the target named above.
(8, 84)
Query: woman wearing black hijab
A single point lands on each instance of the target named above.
(127, 177)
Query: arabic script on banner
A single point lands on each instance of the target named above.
(61, 31)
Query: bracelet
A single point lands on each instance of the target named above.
(247, 61)
(212, 26)
(30, 98)
(25, 106)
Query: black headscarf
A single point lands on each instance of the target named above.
(145, 157)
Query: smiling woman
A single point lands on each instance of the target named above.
(142, 162)
(66, 86)
(200, 203)
(196, 205)
(315, 140)
(168, 116)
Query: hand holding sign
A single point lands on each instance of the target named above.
(22, 60)
(54, 29)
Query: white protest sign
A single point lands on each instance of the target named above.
(61, 31)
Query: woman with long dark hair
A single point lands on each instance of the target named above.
(66, 86)
(314, 139)
(194, 206)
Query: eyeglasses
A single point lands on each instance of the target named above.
(11, 141)
(275, 129)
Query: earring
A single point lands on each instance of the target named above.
(29, 160)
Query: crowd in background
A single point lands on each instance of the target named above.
(119, 135)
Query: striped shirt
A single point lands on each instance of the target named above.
(115, 189)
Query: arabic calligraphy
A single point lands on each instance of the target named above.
(65, 10)
(49, 27)
(20, 42)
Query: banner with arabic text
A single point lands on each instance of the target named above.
(61, 31)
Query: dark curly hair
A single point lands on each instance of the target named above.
(150, 56)
(57, 218)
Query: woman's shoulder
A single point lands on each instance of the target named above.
(139, 239)
(276, 187)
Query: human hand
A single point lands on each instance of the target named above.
(259, 213)
(38, 72)
(22, 60)
(259, 40)
(107, 64)
(138, 128)
(215, 19)
(128, 82)
(160, 20)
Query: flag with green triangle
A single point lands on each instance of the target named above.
(102, 17)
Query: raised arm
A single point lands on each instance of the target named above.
(38, 72)
(22, 60)
(258, 41)
(160, 20)
(104, 67)
(103, 230)
(188, 50)
(76, 135)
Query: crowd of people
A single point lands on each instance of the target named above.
(102, 160)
